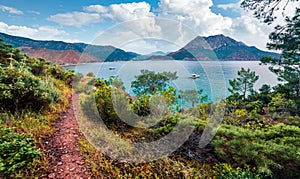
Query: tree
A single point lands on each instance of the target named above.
(244, 83)
(193, 96)
(265, 89)
(116, 82)
(287, 68)
(265, 9)
(149, 82)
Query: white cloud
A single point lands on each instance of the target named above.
(196, 14)
(248, 29)
(40, 33)
(97, 13)
(117, 13)
(129, 11)
(95, 9)
(10, 10)
(75, 18)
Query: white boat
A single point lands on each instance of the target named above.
(194, 76)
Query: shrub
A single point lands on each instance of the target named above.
(20, 89)
(272, 150)
(225, 171)
(141, 105)
(281, 105)
(90, 74)
(59, 73)
(16, 151)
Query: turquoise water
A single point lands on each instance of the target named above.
(214, 75)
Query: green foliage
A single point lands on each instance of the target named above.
(20, 89)
(28, 83)
(273, 151)
(225, 171)
(59, 73)
(9, 54)
(244, 83)
(168, 122)
(154, 88)
(116, 82)
(256, 106)
(16, 151)
(265, 89)
(149, 82)
(279, 104)
(107, 101)
(264, 97)
(103, 100)
(141, 105)
(286, 38)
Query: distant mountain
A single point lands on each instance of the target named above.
(67, 53)
(219, 47)
(156, 55)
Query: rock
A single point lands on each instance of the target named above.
(51, 175)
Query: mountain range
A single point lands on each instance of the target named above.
(218, 47)
(67, 53)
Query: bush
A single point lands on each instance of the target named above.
(20, 89)
(90, 74)
(273, 150)
(16, 151)
(141, 105)
(225, 171)
(281, 105)
(59, 73)
(110, 102)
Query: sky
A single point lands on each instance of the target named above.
(141, 26)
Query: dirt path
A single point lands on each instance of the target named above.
(62, 151)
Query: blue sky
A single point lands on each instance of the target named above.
(86, 20)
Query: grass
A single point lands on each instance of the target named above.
(102, 166)
(168, 167)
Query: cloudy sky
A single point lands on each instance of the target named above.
(141, 26)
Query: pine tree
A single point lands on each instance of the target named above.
(244, 84)
(287, 39)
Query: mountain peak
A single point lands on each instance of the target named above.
(219, 47)
(217, 41)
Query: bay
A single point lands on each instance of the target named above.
(213, 80)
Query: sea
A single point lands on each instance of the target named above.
(213, 78)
